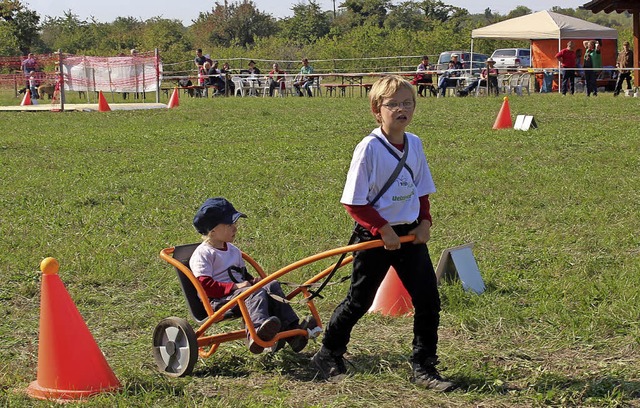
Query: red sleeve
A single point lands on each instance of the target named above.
(367, 216)
(425, 209)
(215, 289)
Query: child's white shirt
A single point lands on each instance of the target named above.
(372, 165)
(217, 263)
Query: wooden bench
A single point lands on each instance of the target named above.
(343, 88)
(197, 90)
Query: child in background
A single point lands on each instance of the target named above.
(402, 210)
(219, 267)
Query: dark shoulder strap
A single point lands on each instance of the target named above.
(401, 163)
(394, 154)
(392, 178)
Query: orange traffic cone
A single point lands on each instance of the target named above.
(392, 299)
(26, 100)
(174, 100)
(70, 364)
(503, 120)
(103, 106)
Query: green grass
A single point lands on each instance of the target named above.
(553, 214)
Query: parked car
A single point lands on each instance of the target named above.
(479, 60)
(512, 58)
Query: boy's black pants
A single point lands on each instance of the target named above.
(414, 267)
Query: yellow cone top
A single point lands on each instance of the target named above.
(505, 99)
(49, 266)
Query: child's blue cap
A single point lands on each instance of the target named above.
(215, 211)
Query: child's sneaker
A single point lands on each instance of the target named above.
(266, 332)
(298, 343)
(427, 376)
(330, 366)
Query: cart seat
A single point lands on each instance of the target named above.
(182, 253)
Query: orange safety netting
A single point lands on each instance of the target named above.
(131, 73)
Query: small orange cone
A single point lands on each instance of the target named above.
(392, 299)
(70, 363)
(103, 106)
(26, 100)
(174, 100)
(503, 120)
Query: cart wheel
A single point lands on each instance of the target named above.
(175, 347)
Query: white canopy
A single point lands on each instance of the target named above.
(544, 25)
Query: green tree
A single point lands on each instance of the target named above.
(519, 12)
(235, 24)
(366, 12)
(124, 33)
(437, 10)
(18, 25)
(69, 34)
(8, 41)
(168, 36)
(308, 24)
(407, 15)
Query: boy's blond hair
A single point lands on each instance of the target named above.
(386, 87)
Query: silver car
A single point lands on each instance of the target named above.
(512, 58)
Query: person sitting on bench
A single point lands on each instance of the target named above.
(489, 73)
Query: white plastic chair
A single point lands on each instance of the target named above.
(242, 87)
(315, 87)
(523, 84)
(280, 89)
(512, 86)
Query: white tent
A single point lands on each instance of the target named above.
(544, 25)
(546, 30)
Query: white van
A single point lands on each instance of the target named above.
(512, 58)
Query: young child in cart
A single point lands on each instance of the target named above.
(401, 209)
(219, 267)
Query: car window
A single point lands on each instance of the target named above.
(504, 53)
(525, 53)
(445, 57)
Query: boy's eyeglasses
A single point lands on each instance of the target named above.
(396, 105)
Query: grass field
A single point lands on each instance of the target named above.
(553, 214)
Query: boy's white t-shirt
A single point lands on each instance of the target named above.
(217, 263)
(372, 165)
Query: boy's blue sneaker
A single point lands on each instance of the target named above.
(266, 332)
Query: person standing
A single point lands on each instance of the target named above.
(567, 57)
(200, 59)
(592, 62)
(388, 197)
(28, 65)
(625, 60)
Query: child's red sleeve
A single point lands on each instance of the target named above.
(425, 209)
(367, 216)
(215, 289)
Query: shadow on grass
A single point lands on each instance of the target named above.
(297, 366)
(558, 389)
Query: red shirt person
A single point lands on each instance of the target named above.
(567, 57)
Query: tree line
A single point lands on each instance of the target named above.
(357, 29)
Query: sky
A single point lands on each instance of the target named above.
(188, 10)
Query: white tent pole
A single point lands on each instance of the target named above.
(559, 65)
(471, 57)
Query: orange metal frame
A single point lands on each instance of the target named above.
(214, 341)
